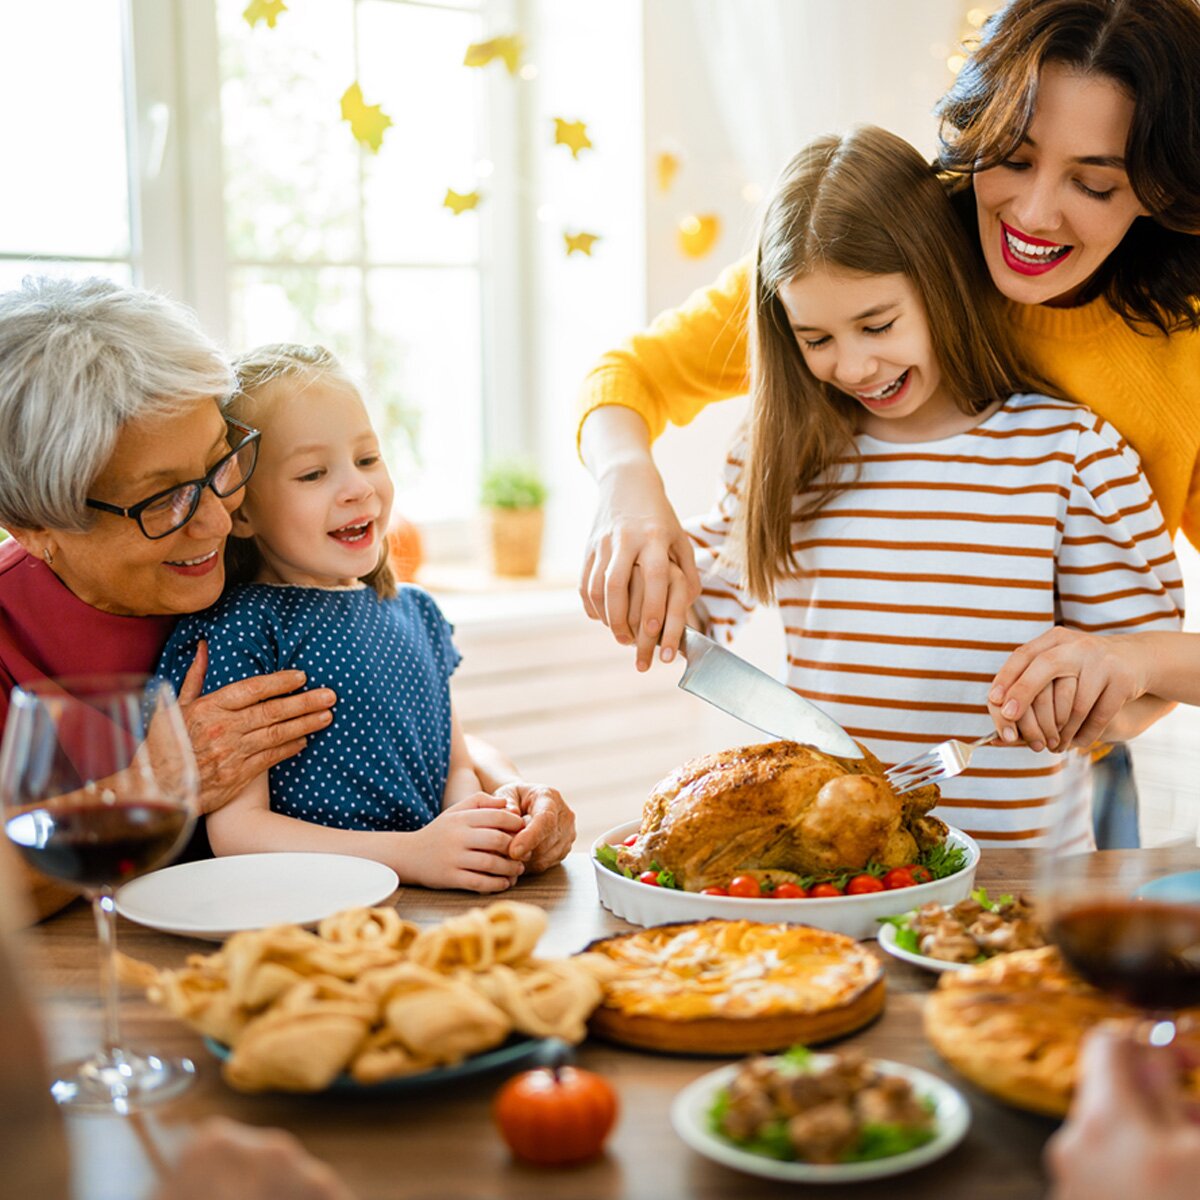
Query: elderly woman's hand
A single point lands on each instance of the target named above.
(241, 730)
(549, 829)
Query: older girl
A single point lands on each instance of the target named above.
(904, 495)
(392, 778)
(1072, 137)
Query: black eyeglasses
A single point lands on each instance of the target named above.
(165, 512)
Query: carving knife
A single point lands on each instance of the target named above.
(737, 687)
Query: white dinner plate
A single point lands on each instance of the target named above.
(215, 897)
(887, 941)
(689, 1115)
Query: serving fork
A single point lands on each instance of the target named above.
(944, 761)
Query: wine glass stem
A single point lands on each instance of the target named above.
(106, 929)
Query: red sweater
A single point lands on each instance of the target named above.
(46, 630)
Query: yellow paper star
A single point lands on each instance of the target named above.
(572, 134)
(699, 234)
(367, 121)
(460, 202)
(580, 243)
(508, 48)
(263, 10)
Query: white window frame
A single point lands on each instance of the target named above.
(177, 217)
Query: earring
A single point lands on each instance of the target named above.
(47, 556)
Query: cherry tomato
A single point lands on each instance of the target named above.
(555, 1117)
(898, 877)
(650, 877)
(714, 891)
(819, 890)
(745, 886)
(920, 874)
(633, 837)
(860, 885)
(789, 891)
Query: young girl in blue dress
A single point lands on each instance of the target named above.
(309, 588)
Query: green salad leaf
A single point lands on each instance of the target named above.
(980, 896)
(798, 1056)
(886, 1141)
(906, 935)
(606, 856)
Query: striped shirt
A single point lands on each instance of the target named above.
(917, 582)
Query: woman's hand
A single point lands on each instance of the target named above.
(241, 730)
(225, 1159)
(1131, 1130)
(465, 846)
(549, 831)
(636, 530)
(1066, 688)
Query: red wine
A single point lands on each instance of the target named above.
(1143, 952)
(97, 844)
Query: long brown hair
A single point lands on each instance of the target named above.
(865, 202)
(256, 370)
(1148, 48)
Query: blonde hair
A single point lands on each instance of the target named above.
(864, 202)
(256, 371)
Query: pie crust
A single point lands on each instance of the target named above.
(1013, 1026)
(735, 987)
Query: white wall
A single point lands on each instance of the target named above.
(735, 87)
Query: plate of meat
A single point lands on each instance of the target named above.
(939, 938)
(820, 1118)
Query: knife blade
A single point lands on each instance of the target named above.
(740, 689)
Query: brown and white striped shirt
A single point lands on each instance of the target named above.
(917, 582)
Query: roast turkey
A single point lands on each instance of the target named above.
(778, 805)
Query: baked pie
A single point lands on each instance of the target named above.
(735, 987)
(1013, 1027)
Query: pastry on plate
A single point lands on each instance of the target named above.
(1013, 1027)
(734, 987)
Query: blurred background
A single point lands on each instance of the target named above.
(469, 201)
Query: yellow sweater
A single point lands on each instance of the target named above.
(1148, 386)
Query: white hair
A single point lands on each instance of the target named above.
(79, 360)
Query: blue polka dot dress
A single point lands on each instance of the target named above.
(383, 761)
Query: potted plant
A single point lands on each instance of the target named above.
(512, 495)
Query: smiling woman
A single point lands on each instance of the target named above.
(118, 471)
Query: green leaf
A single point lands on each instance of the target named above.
(667, 879)
(944, 860)
(980, 896)
(606, 856)
(906, 935)
(512, 485)
(799, 1056)
(887, 1140)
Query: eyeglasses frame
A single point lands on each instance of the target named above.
(134, 512)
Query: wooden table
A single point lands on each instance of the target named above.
(440, 1144)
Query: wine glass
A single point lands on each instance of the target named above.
(99, 784)
(1141, 950)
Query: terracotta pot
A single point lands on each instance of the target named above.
(405, 551)
(516, 540)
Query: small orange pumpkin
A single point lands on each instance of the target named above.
(405, 552)
(556, 1116)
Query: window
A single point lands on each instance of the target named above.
(177, 147)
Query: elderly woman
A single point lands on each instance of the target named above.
(118, 474)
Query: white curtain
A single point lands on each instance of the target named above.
(784, 71)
